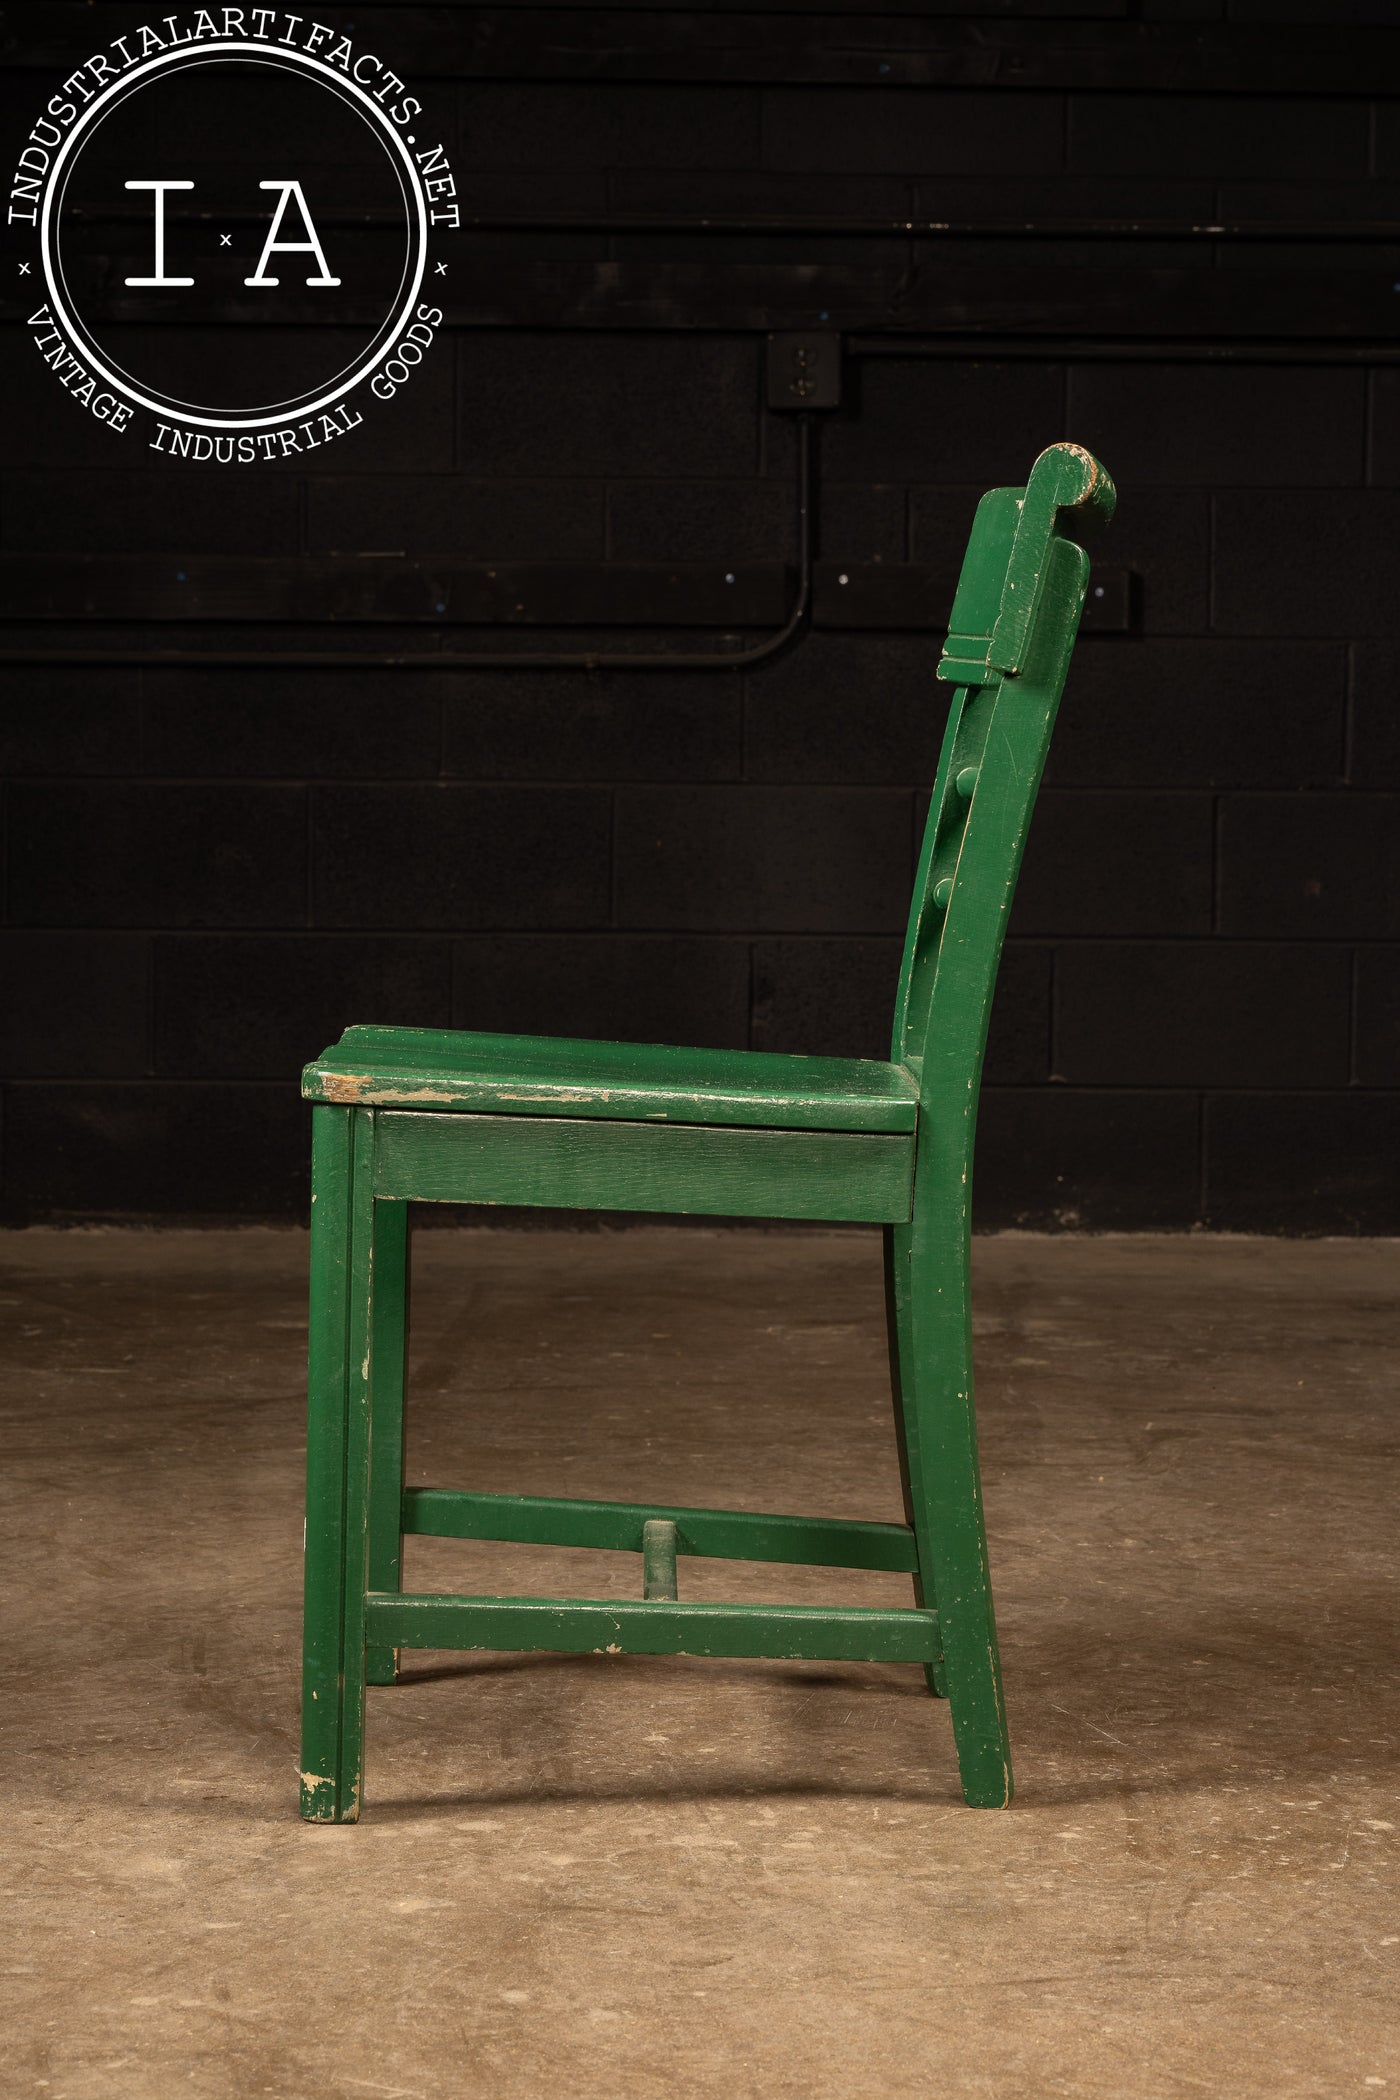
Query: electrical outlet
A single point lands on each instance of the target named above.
(804, 370)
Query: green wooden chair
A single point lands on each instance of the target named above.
(419, 1115)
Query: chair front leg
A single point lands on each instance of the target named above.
(388, 1362)
(337, 1462)
(931, 1281)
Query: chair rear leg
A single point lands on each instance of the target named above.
(387, 1373)
(930, 1261)
(901, 1340)
(337, 1452)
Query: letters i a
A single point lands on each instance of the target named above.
(271, 246)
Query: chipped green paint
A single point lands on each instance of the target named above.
(421, 1115)
(631, 1626)
(622, 1082)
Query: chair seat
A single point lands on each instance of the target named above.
(540, 1075)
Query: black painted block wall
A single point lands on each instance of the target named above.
(208, 872)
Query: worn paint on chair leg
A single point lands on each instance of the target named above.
(932, 1262)
(389, 1353)
(901, 1349)
(323, 1675)
(359, 1328)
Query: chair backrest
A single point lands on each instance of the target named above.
(1010, 637)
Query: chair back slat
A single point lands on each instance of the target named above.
(1011, 633)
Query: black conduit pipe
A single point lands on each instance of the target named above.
(486, 659)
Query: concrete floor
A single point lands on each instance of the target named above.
(588, 1876)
